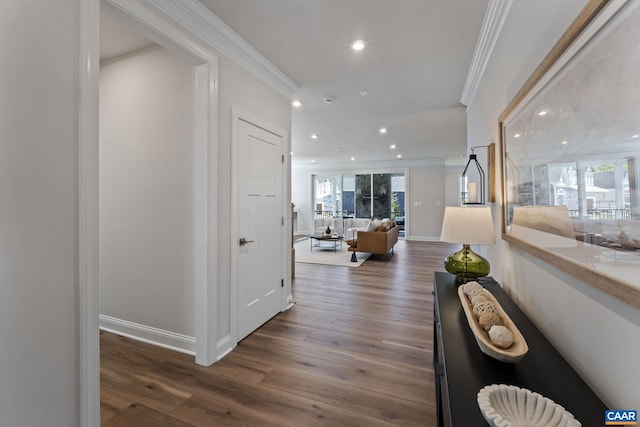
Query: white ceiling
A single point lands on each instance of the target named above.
(413, 68)
(118, 38)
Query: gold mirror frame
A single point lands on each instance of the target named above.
(532, 232)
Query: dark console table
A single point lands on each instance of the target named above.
(461, 369)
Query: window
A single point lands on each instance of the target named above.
(380, 195)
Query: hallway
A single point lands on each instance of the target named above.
(355, 350)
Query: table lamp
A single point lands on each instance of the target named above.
(467, 226)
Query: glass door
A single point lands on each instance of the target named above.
(379, 195)
(363, 196)
(348, 196)
(328, 196)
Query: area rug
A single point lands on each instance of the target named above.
(325, 254)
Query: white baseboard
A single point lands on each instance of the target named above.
(424, 238)
(224, 347)
(149, 334)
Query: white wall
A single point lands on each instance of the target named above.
(426, 201)
(596, 333)
(39, 350)
(452, 185)
(147, 235)
(301, 196)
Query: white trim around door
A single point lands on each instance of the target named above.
(168, 30)
(172, 32)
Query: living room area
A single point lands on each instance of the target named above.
(323, 197)
(354, 215)
(350, 202)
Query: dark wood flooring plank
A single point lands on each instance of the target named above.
(205, 409)
(141, 416)
(235, 397)
(375, 351)
(154, 392)
(107, 412)
(358, 368)
(365, 401)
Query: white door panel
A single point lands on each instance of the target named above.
(258, 174)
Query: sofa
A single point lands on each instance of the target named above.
(378, 238)
(354, 225)
(347, 227)
(320, 225)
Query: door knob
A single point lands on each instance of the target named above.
(243, 241)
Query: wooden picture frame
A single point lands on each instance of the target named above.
(574, 120)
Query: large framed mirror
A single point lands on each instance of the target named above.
(570, 148)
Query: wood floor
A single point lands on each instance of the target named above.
(355, 350)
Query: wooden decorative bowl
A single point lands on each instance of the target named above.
(513, 354)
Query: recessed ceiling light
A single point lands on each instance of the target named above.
(353, 158)
(383, 130)
(296, 103)
(358, 45)
(564, 142)
(543, 113)
(399, 156)
(291, 153)
(635, 136)
(313, 161)
(337, 149)
(392, 146)
(517, 135)
(314, 136)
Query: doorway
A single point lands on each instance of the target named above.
(258, 259)
(147, 198)
(164, 181)
(179, 30)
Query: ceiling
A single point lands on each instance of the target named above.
(409, 78)
(118, 38)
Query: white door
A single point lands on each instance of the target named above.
(258, 172)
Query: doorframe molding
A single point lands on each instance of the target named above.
(190, 30)
(88, 335)
(174, 31)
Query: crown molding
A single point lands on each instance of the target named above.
(213, 34)
(494, 19)
(371, 165)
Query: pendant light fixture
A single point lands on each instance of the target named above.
(472, 185)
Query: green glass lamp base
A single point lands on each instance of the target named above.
(466, 265)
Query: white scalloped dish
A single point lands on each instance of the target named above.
(511, 406)
(515, 352)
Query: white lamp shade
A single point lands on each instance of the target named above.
(468, 225)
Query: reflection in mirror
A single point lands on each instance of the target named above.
(570, 153)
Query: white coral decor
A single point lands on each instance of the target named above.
(511, 406)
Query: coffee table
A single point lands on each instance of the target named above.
(326, 238)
